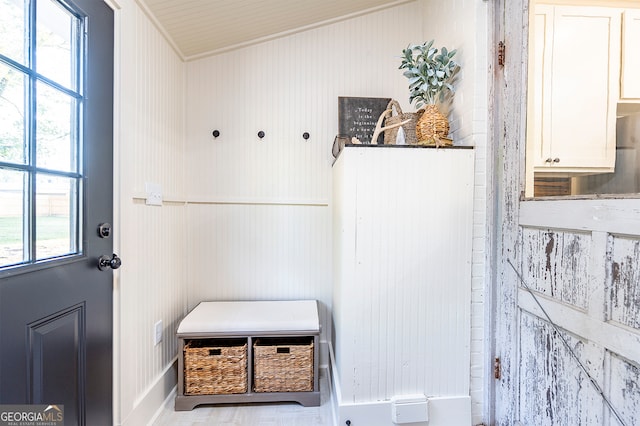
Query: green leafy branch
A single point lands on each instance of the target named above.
(430, 73)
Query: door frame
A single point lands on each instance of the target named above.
(509, 131)
(117, 223)
(495, 86)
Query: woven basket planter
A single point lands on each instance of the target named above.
(432, 128)
(283, 365)
(409, 128)
(215, 367)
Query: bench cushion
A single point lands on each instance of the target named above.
(251, 317)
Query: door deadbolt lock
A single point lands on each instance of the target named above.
(104, 230)
(106, 262)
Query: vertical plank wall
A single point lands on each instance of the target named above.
(259, 216)
(463, 25)
(151, 240)
(402, 247)
(249, 219)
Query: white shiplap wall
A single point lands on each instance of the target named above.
(243, 218)
(286, 87)
(259, 216)
(403, 273)
(150, 286)
(463, 25)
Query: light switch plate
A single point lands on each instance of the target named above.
(157, 337)
(154, 194)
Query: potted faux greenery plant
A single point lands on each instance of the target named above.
(430, 74)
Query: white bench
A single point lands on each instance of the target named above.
(249, 320)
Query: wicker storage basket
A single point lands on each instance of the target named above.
(283, 365)
(214, 367)
(433, 128)
(409, 128)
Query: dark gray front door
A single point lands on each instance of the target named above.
(56, 150)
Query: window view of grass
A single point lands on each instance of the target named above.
(10, 230)
(53, 238)
(50, 227)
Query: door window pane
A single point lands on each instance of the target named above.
(12, 213)
(55, 135)
(583, 118)
(55, 49)
(41, 101)
(12, 28)
(56, 224)
(13, 86)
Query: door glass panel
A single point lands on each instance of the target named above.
(56, 223)
(56, 35)
(12, 28)
(583, 116)
(12, 213)
(13, 85)
(55, 141)
(41, 57)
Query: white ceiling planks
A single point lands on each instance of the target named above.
(199, 28)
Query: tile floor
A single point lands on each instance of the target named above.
(257, 414)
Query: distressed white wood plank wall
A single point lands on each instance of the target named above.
(563, 271)
(544, 358)
(588, 284)
(585, 247)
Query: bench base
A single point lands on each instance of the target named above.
(307, 399)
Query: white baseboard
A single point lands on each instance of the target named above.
(150, 404)
(334, 386)
(442, 410)
(147, 407)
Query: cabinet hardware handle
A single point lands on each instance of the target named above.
(548, 160)
(556, 160)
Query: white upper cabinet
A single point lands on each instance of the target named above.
(630, 78)
(574, 89)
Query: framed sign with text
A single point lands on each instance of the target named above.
(357, 117)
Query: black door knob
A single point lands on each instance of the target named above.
(106, 262)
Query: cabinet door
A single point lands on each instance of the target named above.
(630, 79)
(540, 69)
(580, 90)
